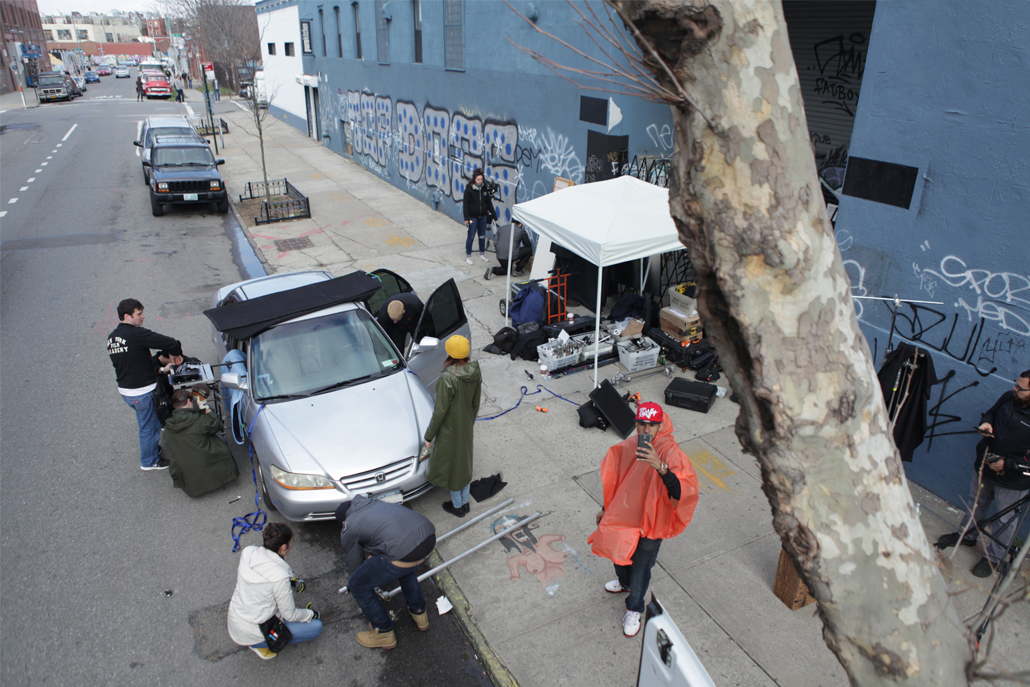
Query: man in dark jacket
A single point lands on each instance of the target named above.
(399, 316)
(199, 459)
(1001, 473)
(521, 250)
(383, 542)
(478, 210)
(129, 346)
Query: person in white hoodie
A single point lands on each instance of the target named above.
(263, 590)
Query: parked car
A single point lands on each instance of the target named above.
(104, 70)
(160, 126)
(183, 171)
(156, 86)
(92, 77)
(121, 72)
(335, 408)
(55, 86)
(80, 83)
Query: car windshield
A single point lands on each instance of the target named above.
(89, 73)
(155, 77)
(319, 354)
(183, 157)
(167, 131)
(51, 81)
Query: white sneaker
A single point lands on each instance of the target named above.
(482, 256)
(468, 259)
(631, 624)
(614, 587)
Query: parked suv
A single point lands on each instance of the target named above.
(160, 126)
(56, 86)
(183, 170)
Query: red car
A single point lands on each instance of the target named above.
(156, 86)
(104, 70)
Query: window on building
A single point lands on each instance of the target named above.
(321, 26)
(416, 7)
(48, 34)
(357, 30)
(382, 33)
(305, 37)
(339, 37)
(109, 37)
(453, 47)
(271, 48)
(64, 34)
(82, 34)
(288, 49)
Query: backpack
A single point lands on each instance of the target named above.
(528, 306)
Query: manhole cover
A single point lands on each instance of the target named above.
(294, 244)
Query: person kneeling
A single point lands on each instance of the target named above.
(199, 460)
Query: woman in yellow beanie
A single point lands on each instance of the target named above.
(450, 431)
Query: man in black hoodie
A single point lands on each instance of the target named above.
(1002, 473)
(129, 346)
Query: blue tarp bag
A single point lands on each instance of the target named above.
(528, 306)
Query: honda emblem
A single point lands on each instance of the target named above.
(380, 477)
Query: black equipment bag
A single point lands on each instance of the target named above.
(276, 634)
(590, 416)
(675, 353)
(684, 393)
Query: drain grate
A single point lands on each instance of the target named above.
(301, 243)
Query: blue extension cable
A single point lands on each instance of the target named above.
(526, 392)
(256, 520)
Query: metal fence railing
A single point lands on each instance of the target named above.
(289, 203)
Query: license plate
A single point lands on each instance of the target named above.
(392, 497)
(189, 196)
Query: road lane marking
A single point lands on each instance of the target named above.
(24, 188)
(54, 150)
(50, 157)
(69, 132)
(5, 211)
(39, 171)
(12, 201)
(30, 180)
(189, 110)
(59, 145)
(43, 164)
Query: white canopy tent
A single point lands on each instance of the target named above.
(605, 222)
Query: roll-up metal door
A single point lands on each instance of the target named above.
(830, 41)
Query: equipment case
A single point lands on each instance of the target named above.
(684, 393)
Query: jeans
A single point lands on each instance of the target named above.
(377, 571)
(302, 632)
(476, 227)
(637, 577)
(461, 497)
(149, 427)
(1002, 528)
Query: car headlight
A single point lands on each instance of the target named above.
(215, 185)
(291, 480)
(162, 186)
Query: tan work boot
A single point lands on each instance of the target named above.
(377, 639)
(421, 619)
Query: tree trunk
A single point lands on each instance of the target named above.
(776, 303)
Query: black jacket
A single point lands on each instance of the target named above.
(521, 247)
(1011, 441)
(129, 348)
(911, 424)
(409, 320)
(477, 204)
(376, 528)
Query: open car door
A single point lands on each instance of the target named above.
(443, 316)
(666, 659)
(392, 284)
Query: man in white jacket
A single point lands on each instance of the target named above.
(263, 590)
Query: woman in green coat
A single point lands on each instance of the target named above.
(450, 431)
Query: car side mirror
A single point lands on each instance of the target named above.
(233, 380)
(428, 343)
(137, 144)
(219, 162)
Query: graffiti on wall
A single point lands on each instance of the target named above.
(841, 62)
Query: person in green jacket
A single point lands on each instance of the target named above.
(200, 460)
(450, 431)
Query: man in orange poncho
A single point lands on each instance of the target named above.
(650, 491)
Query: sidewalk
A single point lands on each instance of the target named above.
(12, 101)
(545, 616)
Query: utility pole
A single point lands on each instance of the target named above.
(210, 114)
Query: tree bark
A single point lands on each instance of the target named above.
(776, 303)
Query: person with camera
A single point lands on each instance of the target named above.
(521, 250)
(478, 210)
(383, 542)
(1001, 474)
(650, 492)
(262, 605)
(199, 460)
(129, 347)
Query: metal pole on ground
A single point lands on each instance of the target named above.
(473, 521)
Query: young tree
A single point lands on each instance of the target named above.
(776, 303)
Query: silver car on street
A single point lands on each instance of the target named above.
(332, 407)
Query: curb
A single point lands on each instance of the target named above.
(495, 668)
(250, 239)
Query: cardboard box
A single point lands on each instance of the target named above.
(678, 325)
(681, 303)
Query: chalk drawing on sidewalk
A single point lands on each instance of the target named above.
(533, 553)
(713, 470)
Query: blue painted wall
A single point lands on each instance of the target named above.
(948, 93)
(528, 118)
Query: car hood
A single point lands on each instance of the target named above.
(184, 173)
(153, 82)
(350, 430)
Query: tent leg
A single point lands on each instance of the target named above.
(597, 324)
(507, 283)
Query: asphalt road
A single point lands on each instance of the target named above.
(108, 575)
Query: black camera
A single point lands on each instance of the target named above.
(490, 188)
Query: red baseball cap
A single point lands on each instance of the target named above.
(651, 413)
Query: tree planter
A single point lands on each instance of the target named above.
(287, 202)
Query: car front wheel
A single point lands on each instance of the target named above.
(156, 207)
(223, 205)
(265, 495)
(146, 177)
